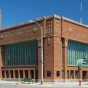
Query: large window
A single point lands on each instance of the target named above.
(76, 50)
(24, 53)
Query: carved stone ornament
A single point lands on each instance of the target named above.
(1, 36)
(48, 31)
(39, 42)
(48, 37)
(70, 29)
(48, 40)
(34, 29)
(0, 49)
(57, 28)
(57, 31)
(66, 42)
(58, 38)
(49, 27)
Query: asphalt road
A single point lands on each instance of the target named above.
(37, 86)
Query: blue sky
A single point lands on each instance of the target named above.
(18, 11)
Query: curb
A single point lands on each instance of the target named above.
(44, 85)
(8, 83)
(25, 84)
(85, 86)
(67, 86)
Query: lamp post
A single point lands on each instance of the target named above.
(41, 50)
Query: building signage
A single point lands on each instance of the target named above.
(81, 33)
(17, 33)
(78, 32)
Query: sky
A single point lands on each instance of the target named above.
(18, 11)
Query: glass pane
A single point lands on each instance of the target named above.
(76, 50)
(24, 53)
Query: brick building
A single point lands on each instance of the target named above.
(64, 42)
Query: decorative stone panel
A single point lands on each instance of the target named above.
(57, 28)
(49, 27)
(39, 42)
(57, 31)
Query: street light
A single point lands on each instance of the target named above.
(41, 50)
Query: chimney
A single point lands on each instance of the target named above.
(0, 19)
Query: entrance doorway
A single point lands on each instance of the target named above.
(32, 74)
(36, 75)
(7, 74)
(11, 73)
(21, 73)
(84, 75)
(26, 73)
(16, 73)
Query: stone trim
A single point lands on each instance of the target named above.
(78, 23)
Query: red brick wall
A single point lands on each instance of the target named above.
(74, 32)
(25, 32)
(1, 60)
(18, 34)
(57, 49)
(52, 44)
(78, 32)
(49, 52)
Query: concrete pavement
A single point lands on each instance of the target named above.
(47, 84)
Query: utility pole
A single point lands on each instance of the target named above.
(0, 19)
(80, 11)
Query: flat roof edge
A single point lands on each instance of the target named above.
(70, 20)
(31, 21)
(45, 17)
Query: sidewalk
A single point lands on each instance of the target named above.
(57, 84)
(9, 82)
(70, 84)
(47, 84)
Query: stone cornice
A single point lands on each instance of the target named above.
(75, 22)
(45, 17)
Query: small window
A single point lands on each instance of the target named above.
(58, 73)
(48, 73)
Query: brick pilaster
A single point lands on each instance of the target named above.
(0, 61)
(87, 75)
(80, 74)
(29, 76)
(9, 73)
(14, 74)
(5, 73)
(34, 74)
(23, 73)
(39, 62)
(65, 53)
(18, 74)
(74, 74)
